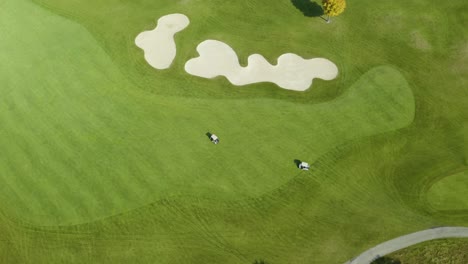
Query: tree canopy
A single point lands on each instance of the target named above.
(333, 7)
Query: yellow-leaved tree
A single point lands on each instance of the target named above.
(333, 8)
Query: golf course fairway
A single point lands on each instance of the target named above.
(105, 159)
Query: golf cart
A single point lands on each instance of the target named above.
(214, 139)
(304, 166)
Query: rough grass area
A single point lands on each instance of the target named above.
(105, 159)
(443, 251)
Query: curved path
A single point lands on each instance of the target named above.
(406, 241)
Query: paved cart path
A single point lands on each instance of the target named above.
(406, 241)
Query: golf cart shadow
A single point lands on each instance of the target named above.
(302, 164)
(213, 138)
(297, 162)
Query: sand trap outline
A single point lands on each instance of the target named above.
(158, 44)
(291, 72)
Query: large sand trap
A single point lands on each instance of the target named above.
(292, 71)
(158, 44)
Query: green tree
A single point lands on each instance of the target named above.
(333, 8)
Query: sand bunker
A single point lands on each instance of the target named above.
(158, 44)
(291, 72)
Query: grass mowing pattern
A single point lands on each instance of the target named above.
(358, 194)
(78, 146)
(450, 193)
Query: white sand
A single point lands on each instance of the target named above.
(291, 72)
(158, 44)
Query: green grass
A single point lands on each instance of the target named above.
(92, 137)
(441, 251)
(450, 193)
(91, 148)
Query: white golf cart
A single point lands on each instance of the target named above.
(304, 166)
(214, 139)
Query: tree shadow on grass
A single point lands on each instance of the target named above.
(308, 8)
(386, 260)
